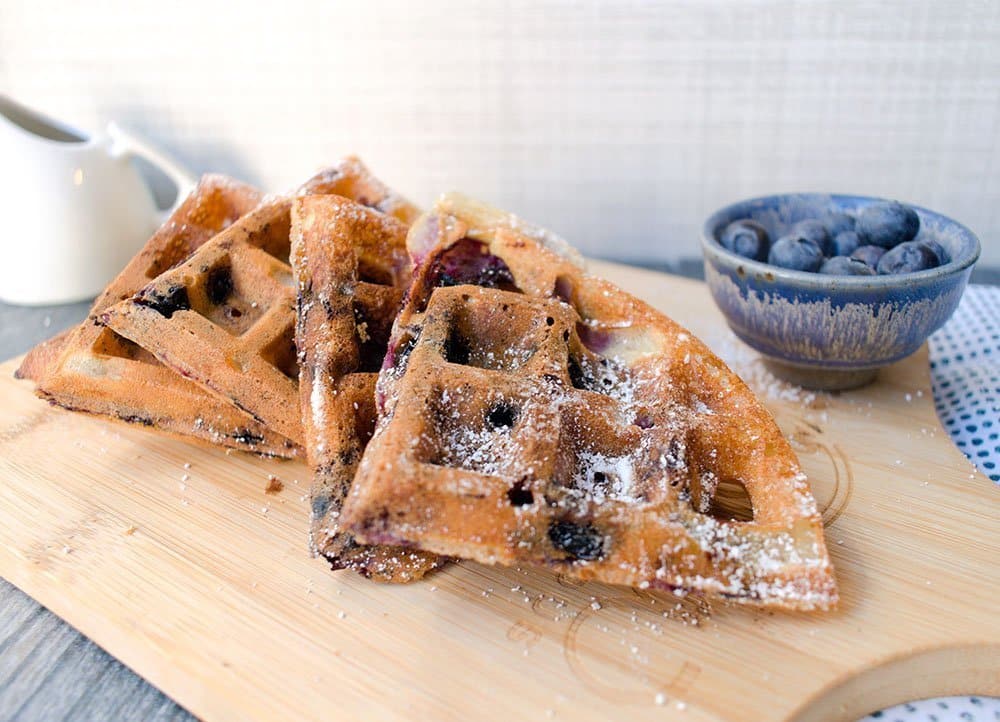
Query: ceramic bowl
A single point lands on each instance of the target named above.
(832, 332)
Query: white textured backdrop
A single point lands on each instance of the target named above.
(620, 125)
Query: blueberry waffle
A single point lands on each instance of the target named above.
(531, 413)
(351, 267)
(95, 370)
(225, 318)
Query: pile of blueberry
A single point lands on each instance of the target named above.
(878, 239)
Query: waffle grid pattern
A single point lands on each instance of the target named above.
(342, 333)
(100, 371)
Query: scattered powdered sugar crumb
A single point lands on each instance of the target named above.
(749, 366)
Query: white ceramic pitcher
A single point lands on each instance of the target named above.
(74, 209)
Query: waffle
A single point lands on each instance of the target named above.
(352, 179)
(351, 267)
(98, 371)
(225, 318)
(530, 413)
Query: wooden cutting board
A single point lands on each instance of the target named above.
(198, 578)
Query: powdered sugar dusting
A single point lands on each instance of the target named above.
(604, 478)
(749, 366)
(317, 402)
(598, 451)
(489, 218)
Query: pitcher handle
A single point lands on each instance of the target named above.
(125, 144)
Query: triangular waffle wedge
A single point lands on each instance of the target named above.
(225, 318)
(98, 371)
(351, 267)
(531, 413)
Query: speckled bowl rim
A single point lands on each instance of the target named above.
(818, 281)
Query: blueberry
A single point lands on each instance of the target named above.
(869, 255)
(165, 303)
(838, 222)
(937, 249)
(844, 266)
(579, 541)
(845, 243)
(469, 261)
(796, 253)
(907, 258)
(815, 231)
(888, 224)
(577, 376)
(747, 238)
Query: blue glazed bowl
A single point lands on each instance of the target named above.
(832, 332)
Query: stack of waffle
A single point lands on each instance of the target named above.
(461, 387)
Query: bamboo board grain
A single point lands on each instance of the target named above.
(198, 579)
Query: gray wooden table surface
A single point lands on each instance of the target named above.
(48, 670)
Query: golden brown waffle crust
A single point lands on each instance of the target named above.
(99, 372)
(351, 178)
(231, 329)
(351, 268)
(224, 318)
(674, 419)
(40, 359)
